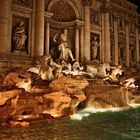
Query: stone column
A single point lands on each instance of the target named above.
(47, 32)
(39, 29)
(137, 45)
(47, 35)
(86, 49)
(116, 40)
(5, 8)
(127, 44)
(81, 44)
(79, 40)
(32, 44)
(77, 43)
(102, 41)
(107, 33)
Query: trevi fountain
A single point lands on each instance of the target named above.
(59, 98)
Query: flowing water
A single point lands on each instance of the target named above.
(86, 125)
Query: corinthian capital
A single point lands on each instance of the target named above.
(105, 8)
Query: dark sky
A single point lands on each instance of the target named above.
(137, 2)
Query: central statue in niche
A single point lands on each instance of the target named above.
(62, 46)
(49, 67)
(61, 37)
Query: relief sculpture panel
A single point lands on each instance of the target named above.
(95, 17)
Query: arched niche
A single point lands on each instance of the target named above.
(63, 5)
(65, 15)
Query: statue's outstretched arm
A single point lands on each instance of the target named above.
(55, 37)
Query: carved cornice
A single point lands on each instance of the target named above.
(87, 2)
(76, 23)
(58, 24)
(79, 24)
(105, 9)
(95, 16)
(22, 9)
(48, 16)
(120, 8)
(23, 3)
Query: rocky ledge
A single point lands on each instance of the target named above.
(24, 100)
(20, 101)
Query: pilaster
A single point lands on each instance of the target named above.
(116, 40)
(39, 39)
(137, 45)
(77, 43)
(107, 32)
(86, 49)
(5, 8)
(79, 40)
(48, 15)
(127, 43)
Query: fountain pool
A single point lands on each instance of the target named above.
(93, 125)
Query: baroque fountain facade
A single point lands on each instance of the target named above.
(57, 61)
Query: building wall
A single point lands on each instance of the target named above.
(115, 23)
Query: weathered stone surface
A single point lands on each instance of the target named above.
(132, 84)
(59, 98)
(18, 123)
(6, 110)
(13, 80)
(55, 103)
(41, 99)
(68, 85)
(27, 104)
(103, 96)
(73, 88)
(6, 95)
(40, 90)
(76, 99)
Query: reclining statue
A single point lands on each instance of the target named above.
(65, 52)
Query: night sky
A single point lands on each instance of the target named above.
(137, 2)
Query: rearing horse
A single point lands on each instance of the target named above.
(100, 70)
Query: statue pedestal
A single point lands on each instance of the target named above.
(95, 61)
(20, 52)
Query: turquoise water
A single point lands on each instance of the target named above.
(120, 125)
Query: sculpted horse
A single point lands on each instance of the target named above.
(101, 70)
(115, 72)
(47, 68)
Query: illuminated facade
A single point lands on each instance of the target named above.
(114, 22)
